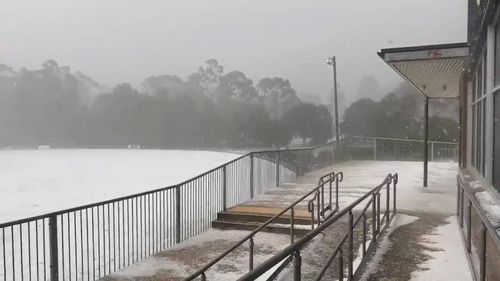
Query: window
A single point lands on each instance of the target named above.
(496, 142)
(478, 155)
(497, 55)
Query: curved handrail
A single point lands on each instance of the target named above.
(331, 177)
(297, 246)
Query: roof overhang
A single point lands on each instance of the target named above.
(434, 70)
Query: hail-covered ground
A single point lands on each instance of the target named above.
(33, 182)
(423, 243)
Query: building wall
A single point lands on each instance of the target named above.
(481, 116)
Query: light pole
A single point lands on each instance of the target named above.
(332, 61)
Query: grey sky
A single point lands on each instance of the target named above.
(128, 40)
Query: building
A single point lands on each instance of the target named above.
(470, 72)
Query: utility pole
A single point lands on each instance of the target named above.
(333, 62)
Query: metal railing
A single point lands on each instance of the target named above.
(482, 241)
(91, 241)
(291, 255)
(323, 210)
(383, 149)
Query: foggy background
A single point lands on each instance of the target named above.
(214, 73)
(116, 41)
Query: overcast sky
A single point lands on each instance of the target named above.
(128, 40)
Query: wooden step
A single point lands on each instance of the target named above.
(248, 226)
(259, 218)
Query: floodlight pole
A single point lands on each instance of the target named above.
(426, 140)
(334, 66)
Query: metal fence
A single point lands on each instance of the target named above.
(91, 241)
(385, 149)
(481, 238)
(371, 218)
(319, 207)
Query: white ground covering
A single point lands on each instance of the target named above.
(449, 262)
(439, 196)
(154, 264)
(33, 182)
(490, 206)
(398, 221)
(360, 176)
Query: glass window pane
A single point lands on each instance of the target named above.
(483, 137)
(478, 136)
(497, 55)
(496, 146)
(473, 145)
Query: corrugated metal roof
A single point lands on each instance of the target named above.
(436, 71)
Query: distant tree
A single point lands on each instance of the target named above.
(208, 77)
(165, 85)
(235, 84)
(278, 96)
(369, 87)
(309, 122)
(443, 129)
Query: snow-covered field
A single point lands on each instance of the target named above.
(34, 182)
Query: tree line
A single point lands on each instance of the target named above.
(209, 108)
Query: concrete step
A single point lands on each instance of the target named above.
(259, 218)
(249, 226)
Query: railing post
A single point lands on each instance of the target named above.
(53, 251)
(251, 246)
(292, 225)
(482, 257)
(378, 211)
(297, 263)
(297, 172)
(469, 226)
(251, 176)
(341, 265)
(224, 188)
(278, 169)
(395, 210)
(432, 151)
(374, 217)
(364, 235)
(387, 203)
(350, 254)
(178, 214)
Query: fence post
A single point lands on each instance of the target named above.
(224, 188)
(251, 176)
(432, 151)
(54, 259)
(297, 164)
(374, 217)
(375, 149)
(297, 263)
(350, 254)
(178, 214)
(278, 169)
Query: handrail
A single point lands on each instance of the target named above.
(294, 248)
(331, 177)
